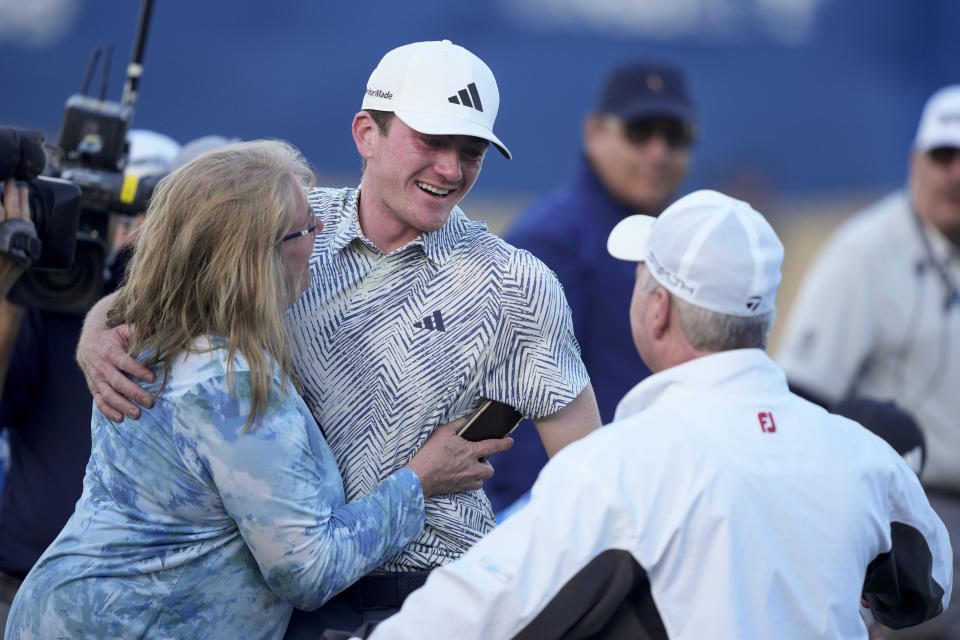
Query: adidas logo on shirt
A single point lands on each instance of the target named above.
(468, 97)
(433, 323)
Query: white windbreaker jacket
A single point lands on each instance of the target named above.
(716, 505)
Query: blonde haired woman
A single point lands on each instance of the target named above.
(222, 507)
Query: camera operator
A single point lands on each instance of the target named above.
(14, 206)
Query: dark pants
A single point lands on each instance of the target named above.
(369, 599)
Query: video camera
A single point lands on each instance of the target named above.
(83, 186)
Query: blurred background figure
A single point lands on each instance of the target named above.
(198, 146)
(636, 151)
(14, 259)
(151, 152)
(891, 423)
(45, 404)
(878, 314)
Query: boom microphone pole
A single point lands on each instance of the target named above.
(135, 68)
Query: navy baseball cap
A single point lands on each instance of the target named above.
(646, 89)
(887, 420)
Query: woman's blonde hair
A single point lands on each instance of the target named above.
(207, 262)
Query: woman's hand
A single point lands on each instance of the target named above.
(446, 463)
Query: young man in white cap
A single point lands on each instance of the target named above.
(717, 504)
(878, 314)
(415, 312)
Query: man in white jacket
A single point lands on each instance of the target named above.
(717, 504)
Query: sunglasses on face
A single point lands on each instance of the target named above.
(677, 134)
(944, 155)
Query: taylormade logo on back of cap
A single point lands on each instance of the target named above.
(437, 88)
(666, 276)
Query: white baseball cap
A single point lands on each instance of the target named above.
(940, 122)
(709, 249)
(151, 152)
(437, 88)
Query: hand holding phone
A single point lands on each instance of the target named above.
(492, 419)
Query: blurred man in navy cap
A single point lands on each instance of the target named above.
(636, 151)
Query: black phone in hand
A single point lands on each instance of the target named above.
(492, 419)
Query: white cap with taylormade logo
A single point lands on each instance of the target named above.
(437, 88)
(940, 122)
(709, 249)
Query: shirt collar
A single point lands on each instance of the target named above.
(749, 368)
(944, 251)
(933, 242)
(440, 244)
(437, 245)
(348, 224)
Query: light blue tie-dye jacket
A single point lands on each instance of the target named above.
(190, 527)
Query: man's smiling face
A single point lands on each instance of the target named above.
(418, 178)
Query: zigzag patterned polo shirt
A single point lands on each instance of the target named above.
(388, 347)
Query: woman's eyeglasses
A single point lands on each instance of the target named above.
(297, 234)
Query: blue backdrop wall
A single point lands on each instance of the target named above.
(797, 96)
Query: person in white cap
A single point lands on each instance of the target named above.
(415, 312)
(878, 314)
(717, 504)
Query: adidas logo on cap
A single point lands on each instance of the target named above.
(469, 97)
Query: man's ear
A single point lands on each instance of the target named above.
(661, 313)
(592, 124)
(366, 134)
